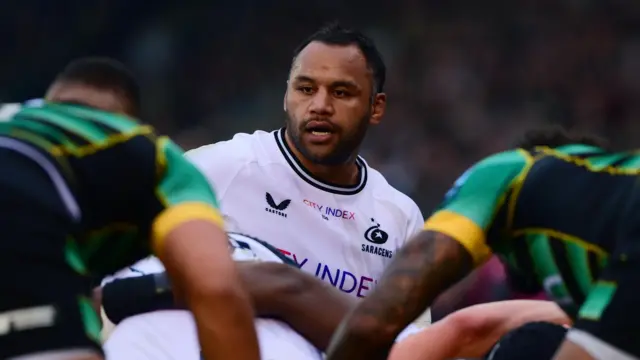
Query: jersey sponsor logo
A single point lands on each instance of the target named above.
(342, 279)
(277, 209)
(328, 212)
(27, 319)
(376, 236)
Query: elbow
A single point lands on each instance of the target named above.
(287, 285)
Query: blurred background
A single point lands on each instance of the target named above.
(465, 77)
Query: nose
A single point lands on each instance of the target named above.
(321, 103)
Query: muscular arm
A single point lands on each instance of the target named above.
(196, 256)
(277, 290)
(471, 332)
(310, 306)
(423, 269)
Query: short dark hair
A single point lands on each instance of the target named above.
(555, 136)
(104, 73)
(335, 34)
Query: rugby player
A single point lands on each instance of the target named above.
(290, 295)
(277, 287)
(560, 211)
(88, 190)
(303, 188)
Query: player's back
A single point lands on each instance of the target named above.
(107, 166)
(577, 190)
(565, 214)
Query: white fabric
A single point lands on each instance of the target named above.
(329, 231)
(597, 348)
(66, 354)
(171, 335)
(321, 228)
(8, 110)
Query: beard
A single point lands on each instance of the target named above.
(344, 151)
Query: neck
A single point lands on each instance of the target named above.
(345, 174)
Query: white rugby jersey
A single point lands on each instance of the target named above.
(171, 335)
(345, 235)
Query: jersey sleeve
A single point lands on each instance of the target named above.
(470, 205)
(416, 221)
(220, 162)
(185, 194)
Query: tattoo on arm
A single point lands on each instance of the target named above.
(422, 270)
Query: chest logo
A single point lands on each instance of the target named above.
(376, 235)
(277, 209)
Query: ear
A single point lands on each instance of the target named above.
(378, 108)
(284, 100)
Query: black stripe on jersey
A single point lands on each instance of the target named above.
(102, 126)
(620, 162)
(586, 155)
(524, 260)
(594, 265)
(558, 247)
(99, 125)
(71, 136)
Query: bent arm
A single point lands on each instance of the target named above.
(310, 306)
(277, 290)
(423, 269)
(471, 332)
(196, 256)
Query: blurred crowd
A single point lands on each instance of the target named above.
(465, 78)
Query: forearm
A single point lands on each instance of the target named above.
(203, 275)
(224, 323)
(310, 306)
(425, 267)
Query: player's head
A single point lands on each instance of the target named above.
(555, 136)
(532, 341)
(334, 92)
(102, 83)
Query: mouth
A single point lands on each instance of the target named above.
(320, 131)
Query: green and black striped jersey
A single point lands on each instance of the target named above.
(554, 216)
(122, 177)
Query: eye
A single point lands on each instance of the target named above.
(340, 93)
(307, 90)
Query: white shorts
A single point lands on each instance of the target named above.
(171, 335)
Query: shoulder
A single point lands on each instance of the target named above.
(222, 161)
(494, 168)
(386, 192)
(394, 198)
(241, 147)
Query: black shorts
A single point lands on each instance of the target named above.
(44, 299)
(531, 341)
